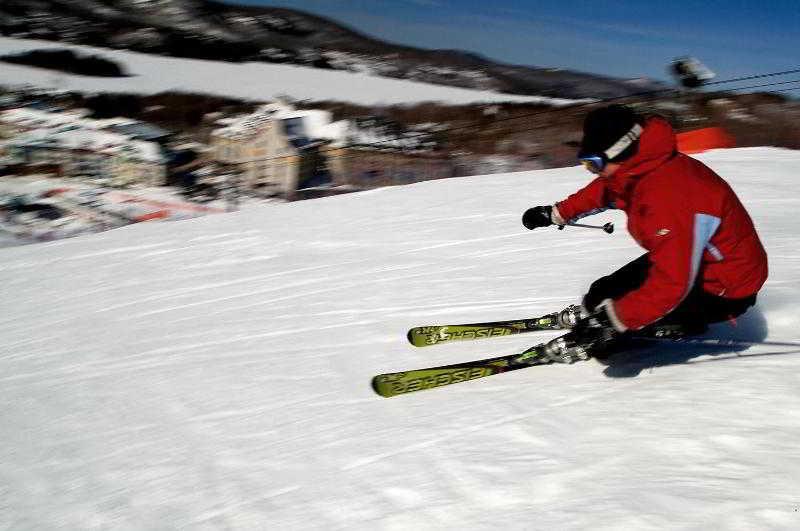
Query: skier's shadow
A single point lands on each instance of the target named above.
(752, 326)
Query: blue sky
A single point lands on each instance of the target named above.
(622, 38)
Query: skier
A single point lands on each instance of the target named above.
(704, 261)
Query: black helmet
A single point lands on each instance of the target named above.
(611, 133)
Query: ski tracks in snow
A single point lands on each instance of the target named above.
(538, 410)
(195, 374)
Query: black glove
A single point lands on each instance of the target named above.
(592, 300)
(537, 217)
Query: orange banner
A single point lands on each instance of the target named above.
(704, 139)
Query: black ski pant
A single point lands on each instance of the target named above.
(694, 313)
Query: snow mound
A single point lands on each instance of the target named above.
(214, 373)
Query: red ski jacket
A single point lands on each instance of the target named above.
(688, 218)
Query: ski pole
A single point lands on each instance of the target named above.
(607, 228)
(717, 342)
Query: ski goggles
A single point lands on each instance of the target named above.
(596, 163)
(593, 163)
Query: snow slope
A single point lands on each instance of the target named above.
(253, 81)
(214, 373)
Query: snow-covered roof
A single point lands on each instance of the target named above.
(34, 118)
(139, 130)
(314, 121)
(336, 132)
(139, 150)
(29, 137)
(314, 124)
(249, 124)
(109, 122)
(69, 130)
(90, 140)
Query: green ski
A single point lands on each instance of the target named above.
(423, 336)
(398, 383)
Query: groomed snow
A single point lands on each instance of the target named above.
(251, 81)
(214, 373)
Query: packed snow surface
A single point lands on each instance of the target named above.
(252, 81)
(215, 373)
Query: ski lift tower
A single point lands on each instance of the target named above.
(690, 73)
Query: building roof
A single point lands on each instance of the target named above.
(89, 140)
(70, 130)
(140, 131)
(313, 125)
(302, 127)
(250, 124)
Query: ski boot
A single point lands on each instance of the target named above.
(564, 350)
(569, 316)
(587, 338)
(580, 344)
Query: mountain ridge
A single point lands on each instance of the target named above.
(209, 29)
